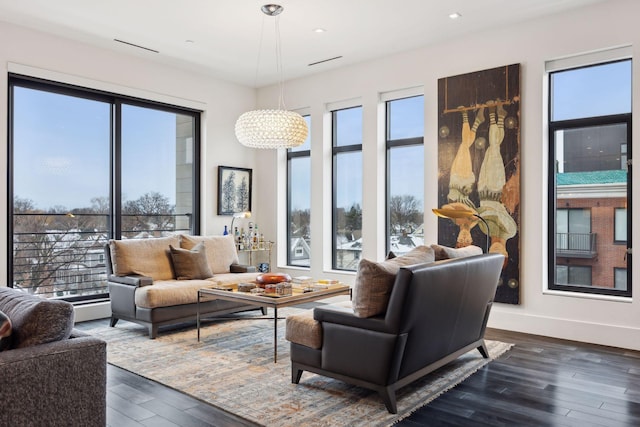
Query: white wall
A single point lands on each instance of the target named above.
(605, 25)
(64, 60)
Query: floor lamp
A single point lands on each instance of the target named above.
(458, 213)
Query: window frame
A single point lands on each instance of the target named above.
(115, 165)
(389, 145)
(335, 151)
(561, 125)
(293, 154)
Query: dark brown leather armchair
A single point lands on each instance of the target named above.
(436, 312)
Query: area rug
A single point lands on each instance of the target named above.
(232, 368)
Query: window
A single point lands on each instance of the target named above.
(579, 275)
(620, 225)
(347, 187)
(590, 143)
(573, 230)
(299, 203)
(405, 173)
(88, 166)
(620, 278)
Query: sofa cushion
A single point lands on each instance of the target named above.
(36, 320)
(166, 293)
(445, 252)
(374, 281)
(303, 329)
(221, 250)
(5, 332)
(146, 257)
(190, 264)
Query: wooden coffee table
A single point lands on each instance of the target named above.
(261, 300)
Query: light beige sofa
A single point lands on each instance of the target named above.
(155, 282)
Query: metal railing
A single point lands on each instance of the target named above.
(576, 244)
(62, 255)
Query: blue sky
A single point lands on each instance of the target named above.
(61, 150)
(580, 93)
(407, 120)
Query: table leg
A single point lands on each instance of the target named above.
(275, 334)
(198, 316)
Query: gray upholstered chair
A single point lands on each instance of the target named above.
(51, 374)
(436, 312)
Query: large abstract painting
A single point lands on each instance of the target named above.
(479, 166)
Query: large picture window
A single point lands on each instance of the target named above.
(299, 203)
(347, 187)
(589, 178)
(405, 173)
(90, 166)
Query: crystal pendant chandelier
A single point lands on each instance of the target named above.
(275, 128)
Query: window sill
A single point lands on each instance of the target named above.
(587, 296)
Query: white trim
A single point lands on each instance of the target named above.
(401, 93)
(586, 295)
(580, 191)
(565, 328)
(589, 58)
(60, 77)
(342, 105)
(98, 310)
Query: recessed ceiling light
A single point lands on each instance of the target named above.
(189, 41)
(319, 30)
(454, 15)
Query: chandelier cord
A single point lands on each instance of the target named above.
(255, 79)
(279, 67)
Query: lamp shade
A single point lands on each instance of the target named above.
(453, 213)
(271, 129)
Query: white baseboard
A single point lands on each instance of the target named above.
(594, 333)
(98, 310)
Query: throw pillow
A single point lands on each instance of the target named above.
(221, 250)
(444, 252)
(36, 320)
(190, 264)
(374, 281)
(146, 257)
(5, 332)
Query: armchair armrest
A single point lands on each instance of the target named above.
(344, 316)
(132, 280)
(68, 377)
(239, 268)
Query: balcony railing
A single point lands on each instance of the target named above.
(576, 245)
(62, 255)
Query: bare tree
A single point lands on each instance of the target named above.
(243, 196)
(404, 212)
(229, 193)
(44, 243)
(151, 213)
(300, 223)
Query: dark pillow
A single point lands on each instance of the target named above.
(36, 320)
(445, 252)
(190, 264)
(5, 332)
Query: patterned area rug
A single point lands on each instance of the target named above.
(232, 368)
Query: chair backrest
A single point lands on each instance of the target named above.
(442, 307)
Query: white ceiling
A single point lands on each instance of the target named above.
(222, 38)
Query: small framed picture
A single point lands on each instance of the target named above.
(234, 190)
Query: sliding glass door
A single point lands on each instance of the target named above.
(86, 167)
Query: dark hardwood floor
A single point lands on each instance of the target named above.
(540, 382)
